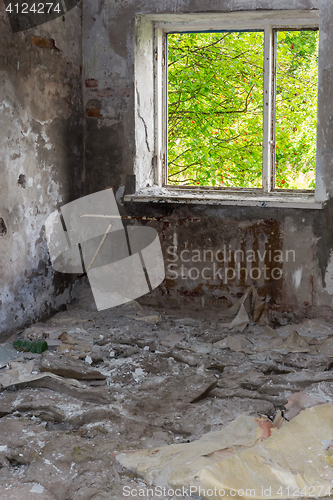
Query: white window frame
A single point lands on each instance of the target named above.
(151, 108)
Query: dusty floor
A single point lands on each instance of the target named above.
(56, 437)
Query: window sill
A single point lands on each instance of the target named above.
(245, 199)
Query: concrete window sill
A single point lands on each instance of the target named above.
(206, 197)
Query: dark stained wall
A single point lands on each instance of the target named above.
(302, 279)
(41, 159)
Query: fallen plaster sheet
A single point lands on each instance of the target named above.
(301, 400)
(270, 341)
(134, 310)
(22, 372)
(235, 343)
(296, 343)
(313, 328)
(315, 394)
(326, 348)
(243, 307)
(293, 461)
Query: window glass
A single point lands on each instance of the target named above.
(296, 109)
(215, 109)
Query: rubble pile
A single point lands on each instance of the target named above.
(132, 378)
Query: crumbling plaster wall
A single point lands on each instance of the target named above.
(41, 158)
(305, 284)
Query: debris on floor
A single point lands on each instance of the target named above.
(175, 465)
(296, 343)
(75, 345)
(172, 339)
(133, 377)
(7, 353)
(65, 367)
(23, 372)
(36, 346)
(241, 461)
(249, 304)
(235, 343)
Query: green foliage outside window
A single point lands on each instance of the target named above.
(215, 109)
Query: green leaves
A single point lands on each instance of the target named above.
(215, 108)
(296, 109)
(212, 115)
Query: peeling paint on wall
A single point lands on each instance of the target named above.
(329, 276)
(41, 132)
(297, 277)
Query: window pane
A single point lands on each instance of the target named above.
(215, 109)
(296, 109)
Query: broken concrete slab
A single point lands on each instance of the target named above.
(172, 339)
(182, 356)
(43, 403)
(247, 394)
(53, 407)
(19, 371)
(294, 382)
(187, 389)
(235, 343)
(22, 375)
(66, 367)
(66, 463)
(309, 361)
(313, 328)
(71, 387)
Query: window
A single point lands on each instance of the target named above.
(215, 109)
(226, 109)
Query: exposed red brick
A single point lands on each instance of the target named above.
(91, 82)
(44, 43)
(94, 113)
(125, 92)
(105, 93)
(266, 427)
